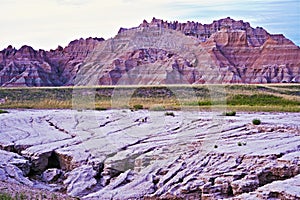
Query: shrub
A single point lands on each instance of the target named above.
(138, 107)
(3, 111)
(204, 103)
(230, 113)
(216, 146)
(256, 121)
(158, 108)
(169, 114)
(242, 143)
(100, 108)
(4, 196)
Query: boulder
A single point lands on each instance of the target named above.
(51, 175)
(13, 174)
(14, 168)
(80, 179)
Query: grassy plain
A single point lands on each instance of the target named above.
(253, 97)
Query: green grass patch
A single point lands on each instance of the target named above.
(205, 103)
(285, 98)
(157, 108)
(3, 111)
(138, 107)
(4, 196)
(260, 100)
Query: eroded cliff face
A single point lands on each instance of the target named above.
(29, 67)
(160, 52)
(25, 67)
(276, 60)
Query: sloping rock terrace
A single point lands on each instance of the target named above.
(120, 154)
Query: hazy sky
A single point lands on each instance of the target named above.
(48, 23)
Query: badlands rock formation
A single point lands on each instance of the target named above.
(120, 154)
(160, 52)
(28, 67)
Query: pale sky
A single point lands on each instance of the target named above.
(45, 24)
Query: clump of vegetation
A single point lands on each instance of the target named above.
(256, 121)
(100, 108)
(158, 108)
(239, 144)
(3, 111)
(230, 113)
(169, 114)
(22, 196)
(259, 100)
(205, 103)
(4, 196)
(216, 146)
(138, 106)
(18, 196)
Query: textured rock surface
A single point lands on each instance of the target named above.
(80, 179)
(115, 155)
(51, 175)
(14, 168)
(286, 189)
(159, 52)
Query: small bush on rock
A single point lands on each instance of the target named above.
(230, 113)
(256, 121)
(170, 114)
(3, 111)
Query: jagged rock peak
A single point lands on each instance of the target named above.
(255, 36)
(225, 22)
(81, 41)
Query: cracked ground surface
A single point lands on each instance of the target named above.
(119, 154)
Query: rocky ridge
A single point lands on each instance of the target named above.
(120, 154)
(29, 67)
(160, 52)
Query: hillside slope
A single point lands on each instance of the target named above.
(159, 52)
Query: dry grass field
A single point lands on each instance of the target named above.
(254, 97)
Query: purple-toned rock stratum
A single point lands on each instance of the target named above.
(159, 52)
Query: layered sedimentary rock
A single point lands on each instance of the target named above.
(160, 52)
(120, 154)
(29, 67)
